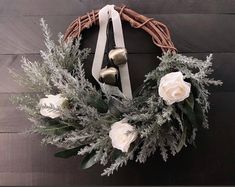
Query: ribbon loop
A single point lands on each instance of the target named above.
(105, 14)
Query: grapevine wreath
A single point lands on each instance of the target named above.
(111, 125)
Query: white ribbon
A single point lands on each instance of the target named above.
(105, 14)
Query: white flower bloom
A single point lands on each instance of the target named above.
(173, 88)
(52, 100)
(122, 135)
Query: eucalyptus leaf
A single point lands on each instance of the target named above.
(190, 128)
(116, 153)
(98, 102)
(182, 140)
(187, 110)
(116, 107)
(199, 113)
(89, 160)
(190, 101)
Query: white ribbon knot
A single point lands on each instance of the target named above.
(105, 14)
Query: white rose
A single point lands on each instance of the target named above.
(173, 88)
(52, 100)
(122, 135)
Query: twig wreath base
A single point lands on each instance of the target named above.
(165, 114)
(157, 30)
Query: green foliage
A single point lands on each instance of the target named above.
(89, 160)
(83, 128)
(159, 122)
(69, 152)
(98, 102)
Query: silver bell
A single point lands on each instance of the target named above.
(109, 75)
(118, 56)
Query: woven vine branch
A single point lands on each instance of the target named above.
(157, 30)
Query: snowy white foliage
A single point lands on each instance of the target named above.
(86, 120)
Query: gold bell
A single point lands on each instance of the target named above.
(118, 56)
(109, 75)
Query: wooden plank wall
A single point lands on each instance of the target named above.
(198, 27)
